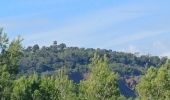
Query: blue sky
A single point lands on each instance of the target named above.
(122, 25)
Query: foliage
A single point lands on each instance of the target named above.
(77, 59)
(155, 84)
(101, 83)
(35, 73)
(47, 59)
(10, 54)
(44, 88)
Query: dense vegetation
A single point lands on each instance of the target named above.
(46, 60)
(59, 72)
(77, 59)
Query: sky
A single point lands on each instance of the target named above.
(120, 25)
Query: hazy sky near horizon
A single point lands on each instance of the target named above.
(122, 25)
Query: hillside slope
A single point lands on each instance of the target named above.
(46, 60)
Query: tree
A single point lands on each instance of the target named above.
(13, 56)
(10, 54)
(146, 86)
(25, 88)
(62, 46)
(5, 86)
(36, 47)
(155, 84)
(101, 84)
(34, 87)
(3, 49)
(55, 43)
(57, 87)
(66, 87)
(48, 90)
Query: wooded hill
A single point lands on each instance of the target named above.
(58, 72)
(46, 60)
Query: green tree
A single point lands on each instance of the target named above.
(10, 54)
(101, 83)
(5, 86)
(66, 87)
(26, 88)
(155, 84)
(57, 87)
(47, 88)
(34, 87)
(13, 55)
(35, 48)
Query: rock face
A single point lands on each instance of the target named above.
(126, 90)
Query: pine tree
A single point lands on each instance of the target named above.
(155, 84)
(101, 84)
(9, 57)
(26, 88)
(65, 86)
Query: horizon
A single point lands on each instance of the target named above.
(128, 26)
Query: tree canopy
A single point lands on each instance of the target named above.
(155, 84)
(101, 83)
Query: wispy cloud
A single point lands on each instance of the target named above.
(122, 40)
(161, 48)
(13, 25)
(132, 49)
(165, 54)
(89, 23)
(160, 45)
(122, 24)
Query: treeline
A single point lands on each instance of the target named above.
(100, 82)
(47, 59)
(77, 59)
